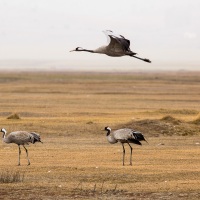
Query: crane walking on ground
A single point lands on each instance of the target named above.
(118, 46)
(125, 135)
(21, 138)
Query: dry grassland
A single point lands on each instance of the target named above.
(76, 161)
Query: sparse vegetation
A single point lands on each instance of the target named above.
(99, 190)
(11, 177)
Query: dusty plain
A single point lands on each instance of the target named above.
(69, 110)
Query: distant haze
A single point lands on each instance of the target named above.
(39, 34)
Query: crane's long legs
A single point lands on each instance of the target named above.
(19, 155)
(27, 155)
(123, 152)
(131, 153)
(144, 59)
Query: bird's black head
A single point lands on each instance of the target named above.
(107, 128)
(2, 130)
(77, 49)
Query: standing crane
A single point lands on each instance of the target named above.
(124, 135)
(118, 46)
(21, 138)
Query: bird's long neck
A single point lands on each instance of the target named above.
(102, 50)
(108, 133)
(110, 137)
(91, 51)
(4, 136)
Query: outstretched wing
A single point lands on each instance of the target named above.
(117, 41)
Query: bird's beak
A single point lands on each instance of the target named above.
(146, 141)
(77, 49)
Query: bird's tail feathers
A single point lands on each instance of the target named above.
(36, 137)
(135, 141)
(139, 136)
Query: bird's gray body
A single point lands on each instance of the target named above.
(118, 46)
(124, 135)
(21, 138)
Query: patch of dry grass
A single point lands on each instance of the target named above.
(11, 177)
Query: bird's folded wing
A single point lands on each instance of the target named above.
(20, 136)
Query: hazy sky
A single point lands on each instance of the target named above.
(165, 31)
